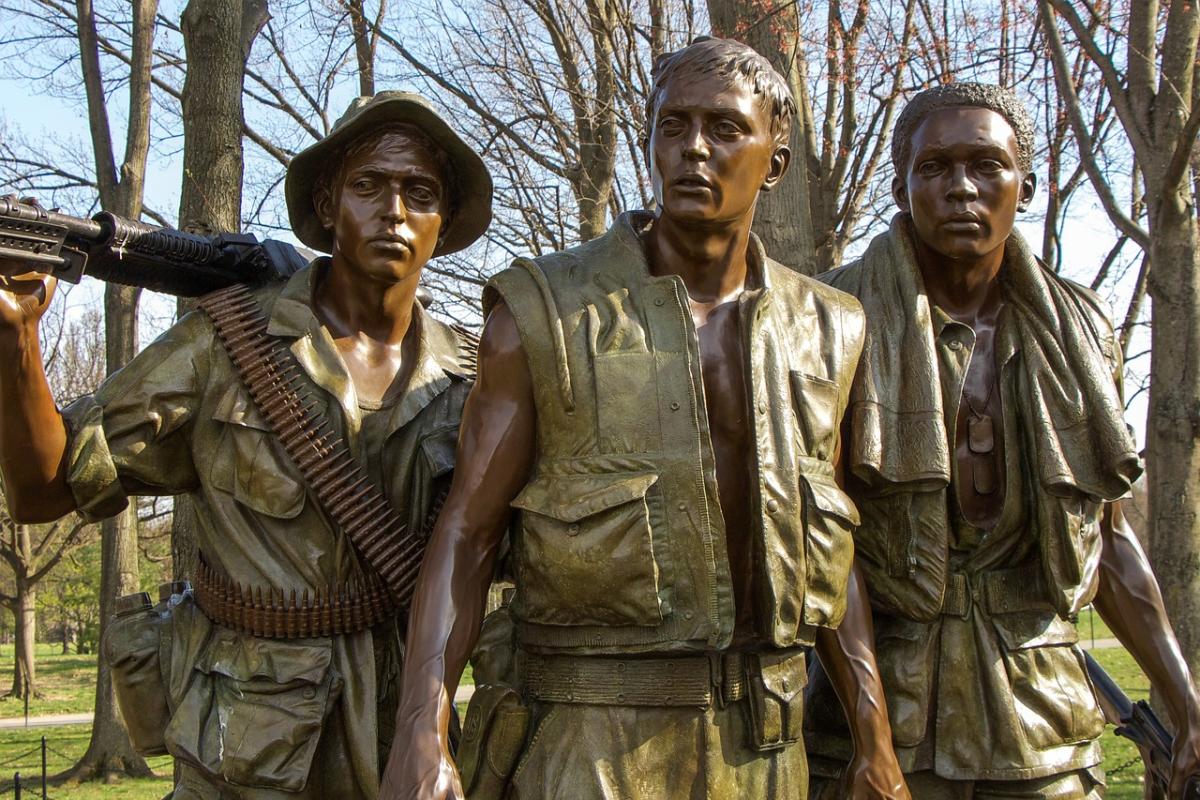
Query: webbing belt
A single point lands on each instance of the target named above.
(697, 681)
(999, 591)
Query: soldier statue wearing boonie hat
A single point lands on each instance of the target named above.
(254, 714)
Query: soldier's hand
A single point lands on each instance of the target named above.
(25, 294)
(1185, 764)
(412, 776)
(874, 778)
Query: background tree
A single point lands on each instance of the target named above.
(1151, 83)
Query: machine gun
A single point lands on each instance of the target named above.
(121, 250)
(1138, 723)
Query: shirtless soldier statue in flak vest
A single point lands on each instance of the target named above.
(660, 406)
(987, 453)
(298, 702)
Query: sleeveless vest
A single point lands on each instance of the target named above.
(618, 543)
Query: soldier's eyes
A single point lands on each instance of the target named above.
(990, 165)
(422, 195)
(929, 168)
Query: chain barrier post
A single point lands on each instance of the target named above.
(43, 768)
(17, 785)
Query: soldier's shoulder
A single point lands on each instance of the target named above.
(1095, 306)
(817, 287)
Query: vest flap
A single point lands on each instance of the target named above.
(828, 497)
(570, 498)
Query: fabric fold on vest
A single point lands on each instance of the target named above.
(1070, 399)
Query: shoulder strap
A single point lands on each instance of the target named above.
(342, 487)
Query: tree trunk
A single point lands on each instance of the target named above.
(1173, 429)
(783, 219)
(217, 36)
(25, 616)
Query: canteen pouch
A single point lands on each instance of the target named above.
(775, 685)
(493, 736)
(137, 649)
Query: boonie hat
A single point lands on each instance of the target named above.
(473, 182)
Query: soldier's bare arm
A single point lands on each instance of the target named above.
(1131, 603)
(33, 439)
(495, 454)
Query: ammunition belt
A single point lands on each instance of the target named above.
(696, 680)
(344, 490)
(998, 591)
(275, 614)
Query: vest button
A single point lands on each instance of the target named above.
(682, 506)
(572, 529)
(955, 344)
(658, 301)
(772, 506)
(687, 615)
(674, 405)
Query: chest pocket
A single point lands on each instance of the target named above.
(816, 403)
(250, 463)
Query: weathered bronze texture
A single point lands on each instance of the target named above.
(988, 453)
(265, 699)
(660, 406)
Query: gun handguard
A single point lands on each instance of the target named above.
(120, 250)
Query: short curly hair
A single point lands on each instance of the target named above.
(963, 95)
(733, 60)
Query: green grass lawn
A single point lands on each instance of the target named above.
(66, 683)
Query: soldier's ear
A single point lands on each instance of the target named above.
(1028, 188)
(323, 205)
(781, 159)
(900, 193)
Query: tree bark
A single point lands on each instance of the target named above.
(109, 752)
(25, 618)
(217, 37)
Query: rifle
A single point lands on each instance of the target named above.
(1138, 723)
(121, 250)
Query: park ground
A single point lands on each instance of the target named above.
(66, 683)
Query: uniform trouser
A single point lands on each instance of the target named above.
(1084, 784)
(594, 752)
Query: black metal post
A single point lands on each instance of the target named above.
(17, 785)
(43, 768)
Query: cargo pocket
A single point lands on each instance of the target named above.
(776, 689)
(1052, 693)
(250, 462)
(254, 711)
(906, 653)
(587, 553)
(830, 517)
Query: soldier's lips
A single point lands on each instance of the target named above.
(392, 245)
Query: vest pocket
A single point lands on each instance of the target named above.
(587, 554)
(816, 403)
(830, 518)
(1051, 692)
(250, 463)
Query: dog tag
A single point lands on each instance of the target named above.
(983, 474)
(979, 434)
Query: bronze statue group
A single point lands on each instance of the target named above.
(769, 536)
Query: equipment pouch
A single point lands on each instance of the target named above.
(492, 739)
(137, 648)
(776, 684)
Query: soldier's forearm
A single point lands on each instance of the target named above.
(1130, 602)
(33, 439)
(848, 655)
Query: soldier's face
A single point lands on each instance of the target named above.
(388, 209)
(711, 150)
(963, 186)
